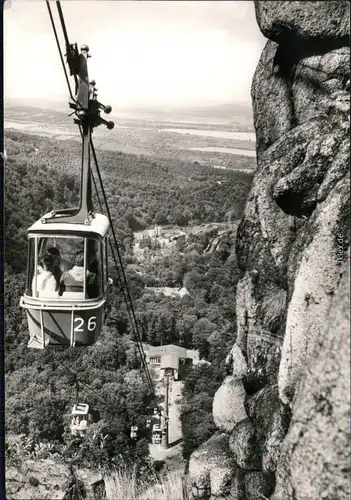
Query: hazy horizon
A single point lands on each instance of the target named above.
(61, 105)
(144, 54)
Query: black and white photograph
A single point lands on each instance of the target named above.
(176, 250)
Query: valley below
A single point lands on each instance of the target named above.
(204, 140)
(176, 188)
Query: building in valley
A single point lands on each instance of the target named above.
(168, 359)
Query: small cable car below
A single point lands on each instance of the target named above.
(156, 434)
(157, 413)
(148, 423)
(81, 418)
(134, 431)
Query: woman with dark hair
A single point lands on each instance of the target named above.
(60, 262)
(56, 265)
(45, 281)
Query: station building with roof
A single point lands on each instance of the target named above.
(167, 359)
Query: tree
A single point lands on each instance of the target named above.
(203, 328)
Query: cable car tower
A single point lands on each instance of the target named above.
(67, 276)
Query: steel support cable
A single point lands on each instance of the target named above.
(63, 24)
(96, 190)
(64, 30)
(85, 386)
(59, 49)
(139, 345)
(70, 370)
(112, 251)
(115, 239)
(133, 323)
(78, 381)
(125, 288)
(135, 331)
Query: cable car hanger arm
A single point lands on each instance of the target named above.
(87, 109)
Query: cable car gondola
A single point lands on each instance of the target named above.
(134, 431)
(157, 412)
(73, 315)
(67, 275)
(156, 437)
(81, 418)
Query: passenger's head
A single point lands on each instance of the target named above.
(54, 251)
(47, 262)
(55, 254)
(79, 258)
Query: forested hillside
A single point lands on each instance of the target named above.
(42, 174)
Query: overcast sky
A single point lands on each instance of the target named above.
(143, 52)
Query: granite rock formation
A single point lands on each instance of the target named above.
(285, 405)
(48, 479)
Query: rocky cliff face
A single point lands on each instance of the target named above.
(282, 412)
(48, 479)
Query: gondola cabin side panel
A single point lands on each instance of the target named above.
(69, 328)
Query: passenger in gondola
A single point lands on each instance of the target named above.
(92, 281)
(73, 280)
(57, 264)
(46, 282)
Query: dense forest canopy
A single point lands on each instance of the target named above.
(43, 174)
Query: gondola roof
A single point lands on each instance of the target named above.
(80, 409)
(98, 225)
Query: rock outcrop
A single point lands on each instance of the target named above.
(285, 404)
(48, 479)
(319, 433)
(212, 468)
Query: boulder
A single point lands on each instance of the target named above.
(303, 21)
(320, 84)
(244, 446)
(237, 362)
(228, 404)
(275, 434)
(258, 485)
(211, 468)
(93, 482)
(38, 479)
